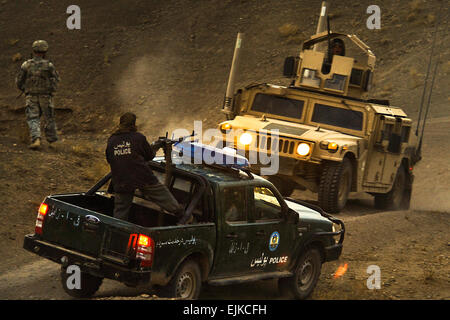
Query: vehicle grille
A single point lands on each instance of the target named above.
(286, 147)
(270, 144)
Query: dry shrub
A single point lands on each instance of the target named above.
(416, 6)
(430, 18)
(106, 59)
(385, 41)
(291, 33)
(16, 57)
(82, 150)
(288, 30)
(428, 274)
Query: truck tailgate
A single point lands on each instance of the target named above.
(87, 232)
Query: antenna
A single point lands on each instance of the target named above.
(321, 23)
(428, 71)
(419, 146)
(227, 104)
(330, 56)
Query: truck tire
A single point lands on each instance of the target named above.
(394, 199)
(335, 185)
(186, 283)
(306, 275)
(89, 284)
(285, 186)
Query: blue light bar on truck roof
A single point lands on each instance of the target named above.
(197, 153)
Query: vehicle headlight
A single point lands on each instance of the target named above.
(303, 149)
(245, 138)
(225, 127)
(332, 147)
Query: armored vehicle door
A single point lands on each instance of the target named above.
(376, 159)
(397, 142)
(390, 139)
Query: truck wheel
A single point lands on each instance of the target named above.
(306, 275)
(186, 284)
(89, 284)
(335, 185)
(394, 199)
(285, 186)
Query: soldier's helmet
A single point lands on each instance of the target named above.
(40, 46)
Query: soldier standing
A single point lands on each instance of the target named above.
(38, 79)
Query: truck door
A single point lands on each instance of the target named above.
(272, 237)
(234, 232)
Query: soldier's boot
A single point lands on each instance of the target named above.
(36, 144)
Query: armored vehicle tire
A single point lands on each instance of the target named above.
(394, 199)
(186, 283)
(305, 277)
(285, 186)
(335, 185)
(89, 284)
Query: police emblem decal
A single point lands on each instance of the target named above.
(274, 241)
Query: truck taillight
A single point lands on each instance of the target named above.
(144, 250)
(40, 218)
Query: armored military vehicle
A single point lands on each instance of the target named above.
(329, 137)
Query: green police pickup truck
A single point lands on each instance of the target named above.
(238, 228)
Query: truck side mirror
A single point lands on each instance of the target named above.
(290, 67)
(292, 216)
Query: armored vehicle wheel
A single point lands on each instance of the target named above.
(285, 186)
(186, 284)
(89, 284)
(335, 185)
(394, 199)
(305, 277)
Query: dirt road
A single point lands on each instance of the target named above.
(411, 248)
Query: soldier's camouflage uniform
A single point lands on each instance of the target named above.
(38, 79)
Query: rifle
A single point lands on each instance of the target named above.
(167, 145)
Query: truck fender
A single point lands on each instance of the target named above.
(203, 255)
(313, 241)
(352, 157)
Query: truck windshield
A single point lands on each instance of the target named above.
(279, 106)
(339, 117)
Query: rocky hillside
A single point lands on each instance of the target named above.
(168, 61)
